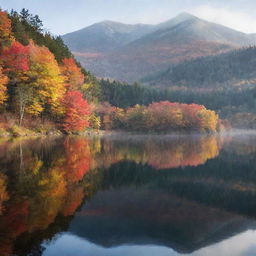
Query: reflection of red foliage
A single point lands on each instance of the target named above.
(183, 154)
(3, 191)
(78, 157)
(15, 219)
(12, 224)
(73, 201)
(169, 153)
(6, 247)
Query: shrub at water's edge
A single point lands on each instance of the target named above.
(160, 117)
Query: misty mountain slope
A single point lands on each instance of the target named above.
(110, 35)
(175, 21)
(130, 52)
(193, 28)
(105, 36)
(236, 68)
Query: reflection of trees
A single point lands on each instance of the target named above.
(78, 158)
(227, 182)
(3, 191)
(183, 154)
(40, 195)
(12, 224)
(163, 153)
(48, 184)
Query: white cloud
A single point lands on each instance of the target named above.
(230, 18)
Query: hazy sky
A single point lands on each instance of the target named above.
(62, 16)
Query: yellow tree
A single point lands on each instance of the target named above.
(209, 120)
(3, 82)
(46, 79)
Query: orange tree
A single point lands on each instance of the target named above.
(77, 111)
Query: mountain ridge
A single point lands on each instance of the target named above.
(109, 48)
(111, 32)
(233, 69)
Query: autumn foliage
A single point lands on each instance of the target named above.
(5, 30)
(72, 74)
(76, 112)
(159, 116)
(15, 58)
(39, 83)
(3, 88)
(45, 79)
(78, 157)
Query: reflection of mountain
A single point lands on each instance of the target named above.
(151, 216)
(194, 199)
(185, 209)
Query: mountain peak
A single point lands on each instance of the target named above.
(110, 22)
(185, 16)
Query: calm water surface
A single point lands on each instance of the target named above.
(129, 195)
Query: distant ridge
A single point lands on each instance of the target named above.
(130, 52)
(235, 69)
(105, 36)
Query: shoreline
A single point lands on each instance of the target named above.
(30, 134)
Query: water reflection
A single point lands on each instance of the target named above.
(243, 244)
(161, 152)
(168, 195)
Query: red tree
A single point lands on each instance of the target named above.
(15, 58)
(77, 111)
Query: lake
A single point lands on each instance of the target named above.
(129, 195)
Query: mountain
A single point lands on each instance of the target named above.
(235, 68)
(105, 36)
(130, 52)
(188, 25)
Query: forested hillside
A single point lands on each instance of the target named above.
(125, 95)
(233, 69)
(229, 103)
(45, 90)
(40, 79)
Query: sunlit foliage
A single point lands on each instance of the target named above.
(77, 112)
(72, 74)
(3, 88)
(39, 78)
(5, 30)
(45, 78)
(159, 117)
(15, 59)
